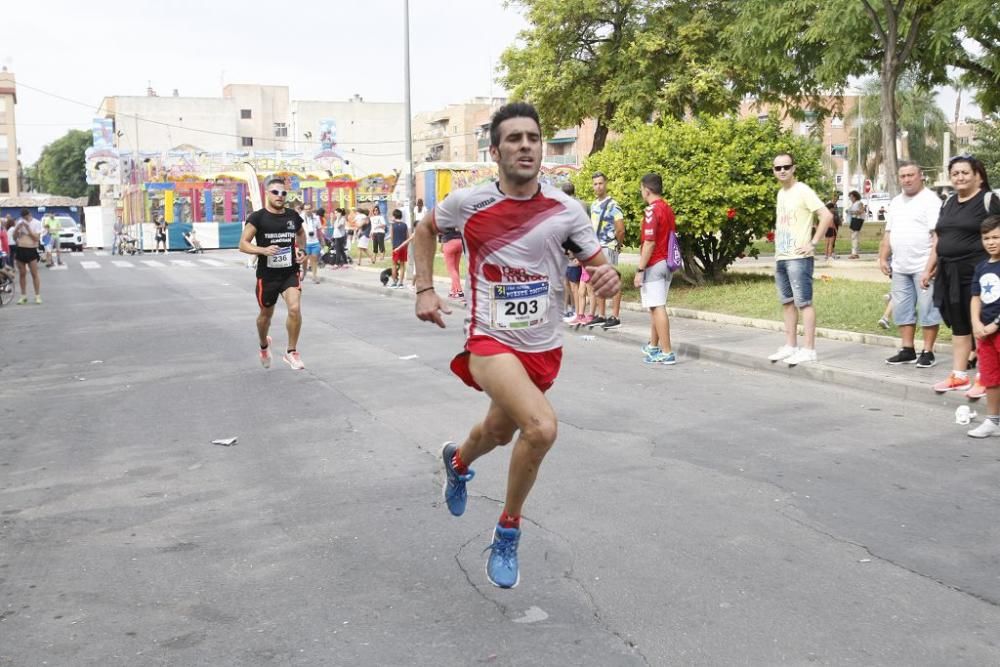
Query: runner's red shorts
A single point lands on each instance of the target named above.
(542, 367)
(988, 351)
(400, 254)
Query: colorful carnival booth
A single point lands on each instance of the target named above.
(211, 192)
(434, 180)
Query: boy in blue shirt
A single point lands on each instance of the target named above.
(985, 324)
(400, 239)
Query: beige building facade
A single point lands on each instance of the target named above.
(9, 168)
(251, 117)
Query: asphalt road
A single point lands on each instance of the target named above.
(690, 515)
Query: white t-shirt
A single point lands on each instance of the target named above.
(517, 261)
(340, 227)
(310, 224)
(910, 221)
(35, 225)
(378, 224)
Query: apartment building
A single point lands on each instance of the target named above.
(260, 118)
(9, 171)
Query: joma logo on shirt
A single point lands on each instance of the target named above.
(483, 204)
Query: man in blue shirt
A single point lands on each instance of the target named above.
(400, 239)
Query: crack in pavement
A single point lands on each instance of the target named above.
(884, 559)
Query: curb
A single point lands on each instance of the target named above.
(892, 387)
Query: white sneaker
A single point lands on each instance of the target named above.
(783, 352)
(984, 430)
(801, 356)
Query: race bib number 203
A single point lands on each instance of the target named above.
(519, 305)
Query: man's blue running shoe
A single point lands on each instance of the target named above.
(454, 484)
(655, 356)
(669, 358)
(501, 566)
(646, 349)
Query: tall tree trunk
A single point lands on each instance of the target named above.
(890, 77)
(600, 136)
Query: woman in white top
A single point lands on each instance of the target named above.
(378, 234)
(27, 236)
(856, 213)
(364, 233)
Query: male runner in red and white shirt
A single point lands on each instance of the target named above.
(516, 232)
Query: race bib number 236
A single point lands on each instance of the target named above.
(519, 305)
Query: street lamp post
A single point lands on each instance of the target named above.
(409, 115)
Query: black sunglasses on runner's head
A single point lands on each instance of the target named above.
(278, 193)
(783, 167)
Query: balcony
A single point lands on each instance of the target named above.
(569, 158)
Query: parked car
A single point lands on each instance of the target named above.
(69, 234)
(876, 201)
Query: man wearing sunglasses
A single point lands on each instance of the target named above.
(794, 247)
(280, 238)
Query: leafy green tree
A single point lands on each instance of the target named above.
(619, 60)
(796, 50)
(987, 146)
(60, 168)
(716, 176)
(922, 124)
(979, 58)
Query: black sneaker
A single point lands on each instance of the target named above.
(906, 355)
(596, 322)
(611, 323)
(926, 359)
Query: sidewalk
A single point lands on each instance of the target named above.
(852, 361)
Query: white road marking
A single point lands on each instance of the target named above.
(211, 262)
(89, 265)
(181, 262)
(155, 264)
(122, 263)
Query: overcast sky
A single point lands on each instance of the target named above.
(322, 50)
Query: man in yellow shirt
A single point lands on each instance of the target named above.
(794, 247)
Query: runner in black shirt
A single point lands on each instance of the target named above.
(280, 239)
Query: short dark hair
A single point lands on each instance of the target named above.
(788, 155)
(907, 163)
(568, 188)
(25, 211)
(653, 183)
(508, 111)
(854, 194)
(274, 179)
(397, 214)
(340, 211)
(598, 174)
(989, 224)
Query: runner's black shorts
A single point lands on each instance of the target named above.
(25, 255)
(270, 288)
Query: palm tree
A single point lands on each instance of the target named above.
(922, 124)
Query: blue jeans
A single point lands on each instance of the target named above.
(794, 280)
(911, 304)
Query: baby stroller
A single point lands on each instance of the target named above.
(194, 245)
(127, 245)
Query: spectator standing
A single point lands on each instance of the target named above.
(652, 276)
(27, 236)
(856, 217)
(831, 233)
(119, 228)
(795, 249)
(400, 240)
(161, 235)
(985, 306)
(957, 250)
(311, 226)
(364, 232)
(451, 247)
(909, 230)
(339, 236)
(378, 229)
(609, 224)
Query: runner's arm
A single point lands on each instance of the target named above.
(604, 278)
(429, 305)
(247, 245)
